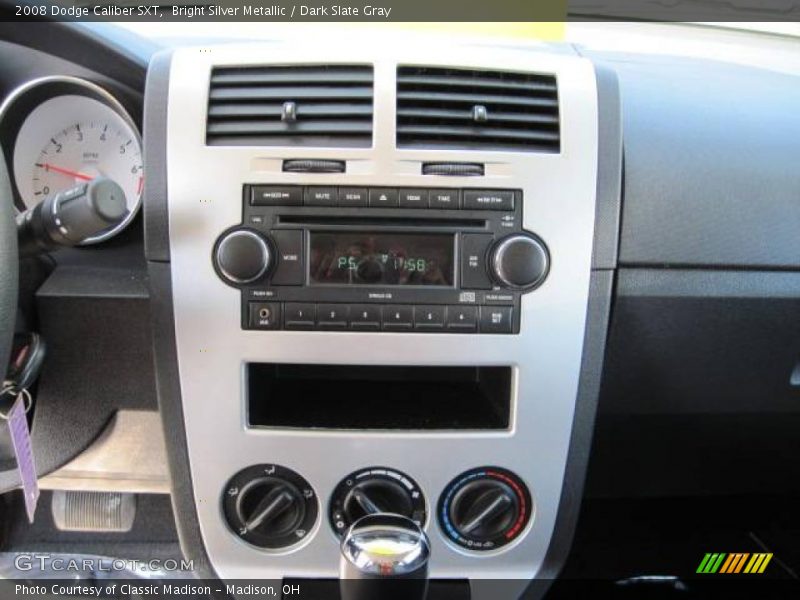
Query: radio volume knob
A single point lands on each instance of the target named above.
(519, 262)
(242, 256)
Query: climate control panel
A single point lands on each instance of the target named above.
(273, 508)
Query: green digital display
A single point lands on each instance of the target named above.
(381, 259)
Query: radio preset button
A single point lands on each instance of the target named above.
(289, 270)
(445, 199)
(332, 316)
(298, 315)
(264, 315)
(383, 197)
(365, 317)
(276, 195)
(349, 196)
(415, 198)
(321, 196)
(488, 200)
(396, 317)
(496, 319)
(462, 318)
(474, 247)
(429, 318)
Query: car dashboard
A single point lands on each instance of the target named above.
(470, 284)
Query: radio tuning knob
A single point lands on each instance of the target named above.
(519, 262)
(242, 256)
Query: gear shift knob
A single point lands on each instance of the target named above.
(384, 556)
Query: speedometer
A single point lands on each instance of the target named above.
(71, 131)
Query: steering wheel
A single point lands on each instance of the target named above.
(9, 266)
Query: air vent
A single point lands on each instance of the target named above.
(328, 105)
(476, 110)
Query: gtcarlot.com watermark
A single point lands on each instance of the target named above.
(57, 564)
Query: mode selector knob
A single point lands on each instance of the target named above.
(242, 256)
(519, 262)
(269, 506)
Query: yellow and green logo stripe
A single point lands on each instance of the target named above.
(736, 562)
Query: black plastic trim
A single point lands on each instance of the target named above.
(9, 265)
(120, 55)
(699, 364)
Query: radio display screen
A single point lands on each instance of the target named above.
(382, 259)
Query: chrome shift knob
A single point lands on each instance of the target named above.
(384, 556)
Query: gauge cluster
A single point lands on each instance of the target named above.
(58, 132)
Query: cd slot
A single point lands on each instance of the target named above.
(367, 221)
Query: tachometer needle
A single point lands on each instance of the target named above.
(75, 174)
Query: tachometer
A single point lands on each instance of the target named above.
(71, 131)
(83, 151)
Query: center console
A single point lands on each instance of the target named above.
(378, 270)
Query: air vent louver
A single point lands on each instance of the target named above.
(326, 105)
(477, 110)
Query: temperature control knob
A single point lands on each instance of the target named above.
(270, 506)
(484, 509)
(376, 490)
(519, 262)
(242, 256)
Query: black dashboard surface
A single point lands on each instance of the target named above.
(703, 338)
(711, 175)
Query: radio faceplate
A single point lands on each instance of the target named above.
(385, 266)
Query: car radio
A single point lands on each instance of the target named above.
(381, 259)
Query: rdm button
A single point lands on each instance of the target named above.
(496, 319)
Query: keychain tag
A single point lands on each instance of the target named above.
(21, 439)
